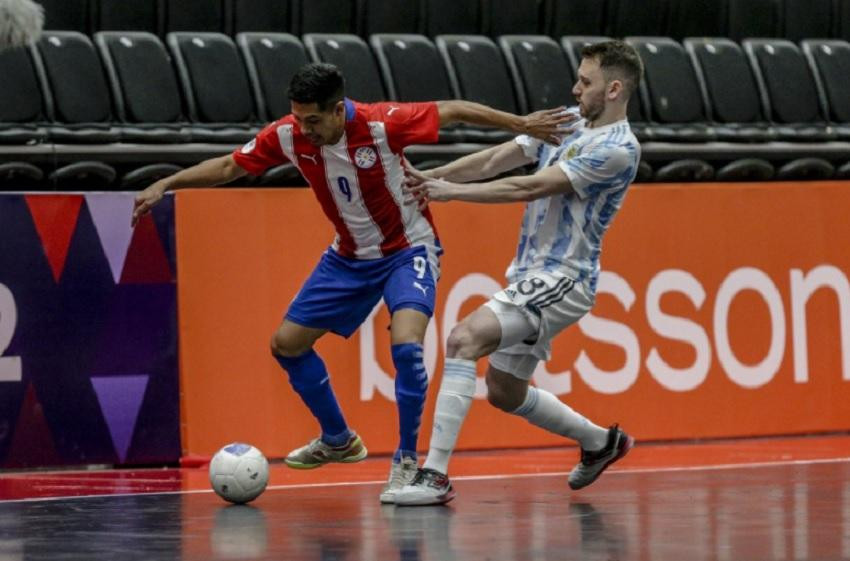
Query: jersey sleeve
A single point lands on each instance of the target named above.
(605, 166)
(262, 152)
(410, 123)
(531, 146)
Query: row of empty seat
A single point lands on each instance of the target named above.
(127, 99)
(737, 19)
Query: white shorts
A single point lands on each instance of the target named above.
(531, 313)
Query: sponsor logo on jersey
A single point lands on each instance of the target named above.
(248, 148)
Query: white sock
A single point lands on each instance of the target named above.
(543, 409)
(453, 401)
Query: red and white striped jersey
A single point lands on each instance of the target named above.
(357, 180)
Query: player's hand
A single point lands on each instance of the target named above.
(549, 125)
(146, 200)
(420, 189)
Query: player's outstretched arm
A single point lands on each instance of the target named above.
(421, 189)
(484, 164)
(547, 125)
(214, 171)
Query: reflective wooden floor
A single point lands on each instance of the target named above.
(782, 499)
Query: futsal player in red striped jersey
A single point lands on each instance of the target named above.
(352, 156)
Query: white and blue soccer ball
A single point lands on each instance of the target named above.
(239, 473)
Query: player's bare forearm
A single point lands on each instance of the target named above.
(482, 165)
(544, 125)
(544, 183)
(214, 171)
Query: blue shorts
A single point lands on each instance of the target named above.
(341, 292)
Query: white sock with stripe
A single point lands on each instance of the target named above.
(453, 401)
(546, 411)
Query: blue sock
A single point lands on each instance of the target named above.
(309, 378)
(411, 385)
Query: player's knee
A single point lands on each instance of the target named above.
(462, 343)
(502, 397)
(284, 346)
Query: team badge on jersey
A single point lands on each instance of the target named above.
(248, 148)
(365, 157)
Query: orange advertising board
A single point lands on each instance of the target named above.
(723, 310)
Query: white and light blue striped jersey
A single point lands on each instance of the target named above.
(563, 233)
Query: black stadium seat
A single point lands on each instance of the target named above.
(215, 86)
(540, 70)
(478, 72)
(788, 92)
(80, 105)
(66, 15)
(272, 59)
(21, 105)
(730, 90)
(353, 56)
(671, 90)
(414, 71)
(144, 87)
(830, 62)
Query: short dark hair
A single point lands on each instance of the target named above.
(618, 60)
(317, 82)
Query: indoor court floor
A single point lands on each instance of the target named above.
(763, 499)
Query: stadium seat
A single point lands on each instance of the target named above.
(830, 62)
(509, 17)
(637, 115)
(380, 16)
(574, 17)
(636, 17)
(141, 177)
(66, 15)
(754, 19)
(79, 103)
(698, 18)
(414, 71)
(353, 56)
(540, 70)
(19, 174)
(788, 91)
(21, 105)
(730, 91)
(806, 169)
(746, 169)
(194, 15)
(272, 59)
(807, 19)
(842, 19)
(452, 17)
(111, 15)
(671, 91)
(478, 72)
(144, 87)
(324, 16)
(215, 86)
(261, 15)
(686, 170)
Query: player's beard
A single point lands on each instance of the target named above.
(20, 23)
(591, 109)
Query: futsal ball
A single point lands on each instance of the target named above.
(239, 473)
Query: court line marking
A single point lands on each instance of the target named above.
(622, 471)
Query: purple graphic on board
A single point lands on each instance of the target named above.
(120, 399)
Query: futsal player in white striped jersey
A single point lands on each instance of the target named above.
(571, 199)
(351, 154)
